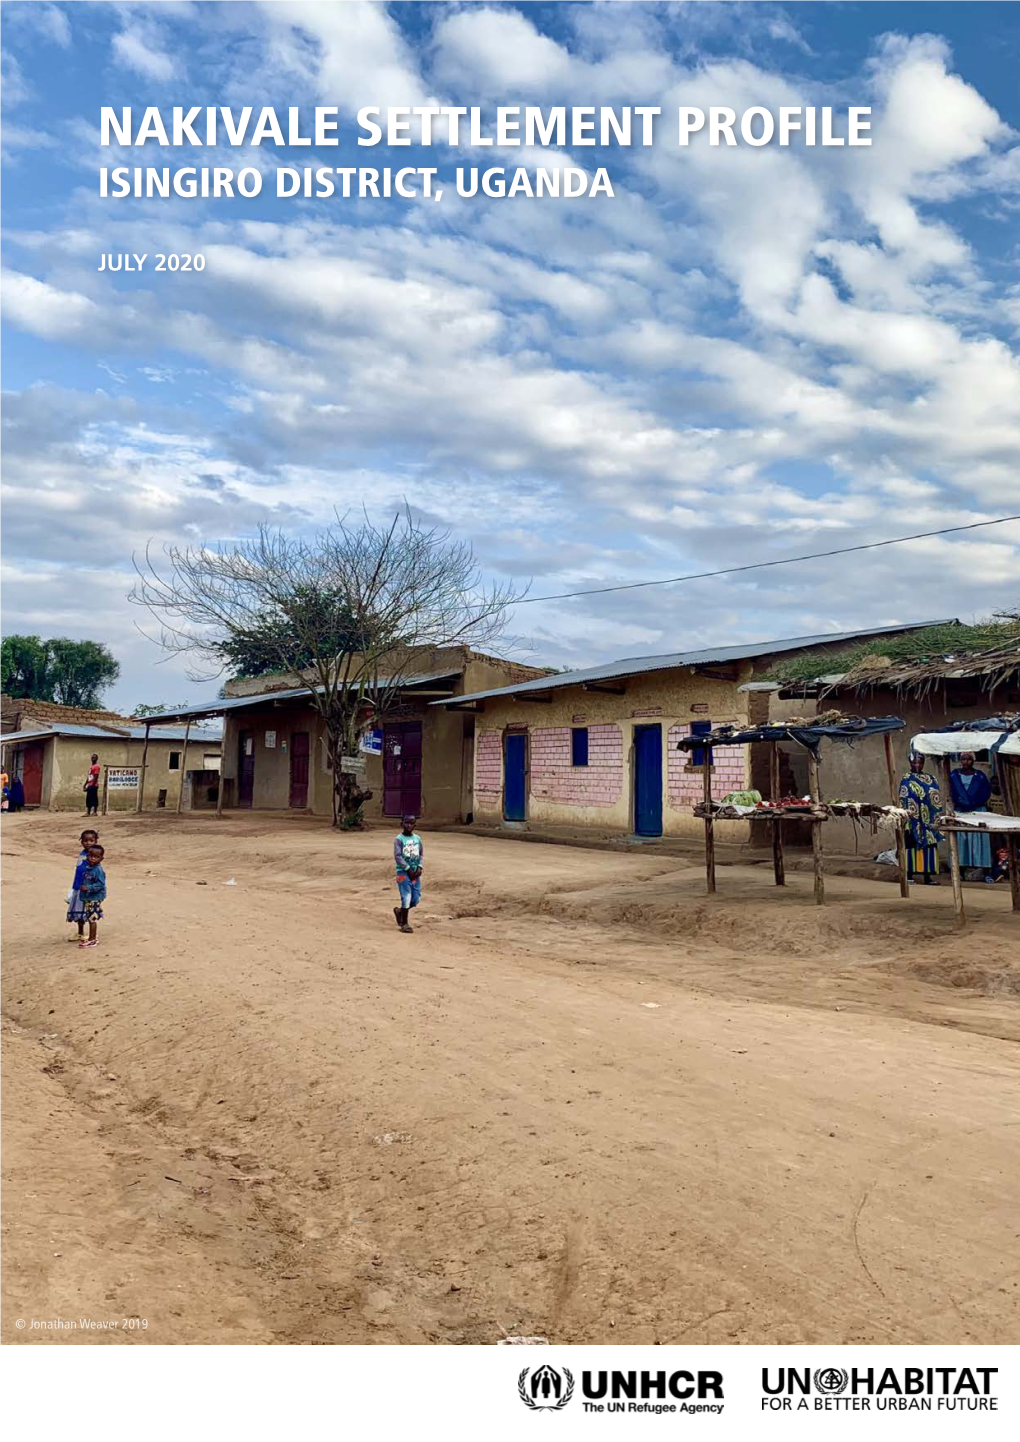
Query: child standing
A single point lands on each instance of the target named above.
(93, 892)
(75, 910)
(408, 853)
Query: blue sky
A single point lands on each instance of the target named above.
(743, 355)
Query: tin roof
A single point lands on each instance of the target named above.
(265, 698)
(44, 732)
(641, 665)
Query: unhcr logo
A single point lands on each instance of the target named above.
(549, 1389)
(545, 1389)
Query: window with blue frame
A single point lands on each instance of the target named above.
(701, 755)
(579, 746)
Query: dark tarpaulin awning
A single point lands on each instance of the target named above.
(991, 723)
(853, 729)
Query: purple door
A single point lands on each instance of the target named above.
(245, 768)
(402, 769)
(299, 770)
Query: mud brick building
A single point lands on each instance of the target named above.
(597, 749)
(275, 755)
(50, 747)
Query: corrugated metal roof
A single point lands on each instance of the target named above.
(93, 733)
(640, 665)
(175, 733)
(239, 703)
(66, 728)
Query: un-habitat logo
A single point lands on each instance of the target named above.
(879, 1389)
(545, 1388)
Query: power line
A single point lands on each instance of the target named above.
(762, 565)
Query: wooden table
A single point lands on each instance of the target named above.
(1011, 836)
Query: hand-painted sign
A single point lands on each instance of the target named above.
(122, 777)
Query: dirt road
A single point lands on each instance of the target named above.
(581, 1101)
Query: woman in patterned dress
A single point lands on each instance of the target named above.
(920, 796)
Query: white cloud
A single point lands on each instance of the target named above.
(47, 21)
(14, 88)
(357, 56)
(501, 50)
(45, 311)
(138, 48)
(745, 354)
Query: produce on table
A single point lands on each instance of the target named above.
(742, 798)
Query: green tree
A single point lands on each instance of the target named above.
(25, 663)
(345, 614)
(72, 673)
(287, 636)
(80, 671)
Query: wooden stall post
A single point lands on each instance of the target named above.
(954, 849)
(219, 789)
(106, 787)
(778, 863)
(141, 777)
(816, 828)
(901, 845)
(709, 823)
(1013, 854)
(184, 764)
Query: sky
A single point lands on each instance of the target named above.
(744, 354)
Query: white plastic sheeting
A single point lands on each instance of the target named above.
(982, 821)
(951, 743)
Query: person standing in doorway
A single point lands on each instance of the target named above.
(408, 854)
(972, 791)
(91, 787)
(921, 799)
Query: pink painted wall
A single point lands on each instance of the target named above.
(685, 788)
(600, 783)
(488, 763)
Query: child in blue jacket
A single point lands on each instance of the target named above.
(93, 892)
(75, 910)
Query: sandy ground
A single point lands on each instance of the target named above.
(582, 1101)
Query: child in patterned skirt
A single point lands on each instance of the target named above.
(93, 893)
(75, 911)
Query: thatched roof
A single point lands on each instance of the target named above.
(914, 661)
(991, 668)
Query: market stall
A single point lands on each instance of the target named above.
(809, 734)
(1000, 737)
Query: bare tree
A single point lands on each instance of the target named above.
(348, 614)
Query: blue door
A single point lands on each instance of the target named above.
(515, 767)
(648, 780)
